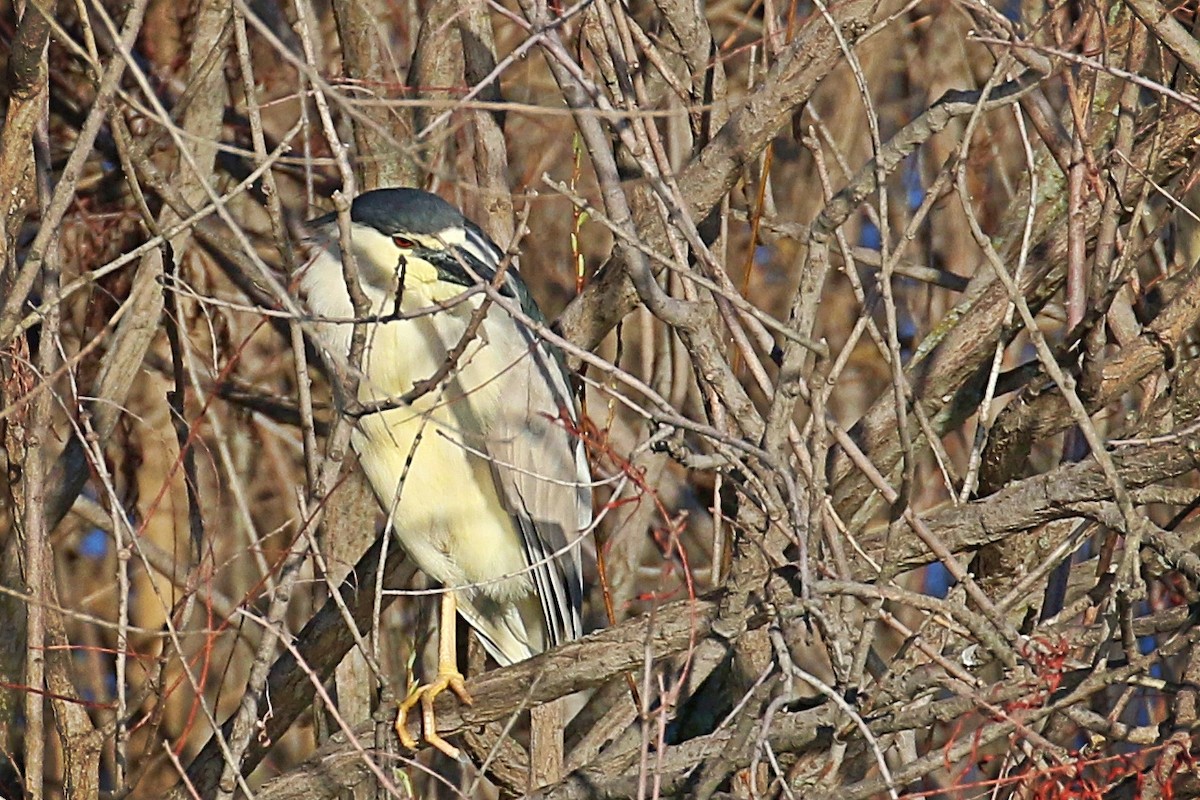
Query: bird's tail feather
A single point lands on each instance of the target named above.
(510, 633)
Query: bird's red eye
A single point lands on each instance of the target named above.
(403, 242)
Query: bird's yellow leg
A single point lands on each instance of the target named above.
(448, 677)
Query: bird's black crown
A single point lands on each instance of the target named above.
(401, 210)
(391, 211)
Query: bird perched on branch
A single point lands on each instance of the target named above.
(483, 477)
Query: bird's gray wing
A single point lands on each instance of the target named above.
(542, 477)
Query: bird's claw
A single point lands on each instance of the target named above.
(425, 695)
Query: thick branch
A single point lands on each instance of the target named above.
(1024, 505)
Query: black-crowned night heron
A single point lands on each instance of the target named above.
(482, 478)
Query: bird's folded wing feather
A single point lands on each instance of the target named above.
(543, 478)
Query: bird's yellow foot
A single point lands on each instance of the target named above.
(425, 695)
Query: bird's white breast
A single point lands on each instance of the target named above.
(442, 497)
